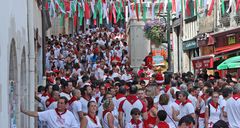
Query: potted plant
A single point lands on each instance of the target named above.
(154, 30)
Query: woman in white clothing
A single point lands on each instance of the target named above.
(166, 105)
(108, 120)
(91, 120)
(212, 111)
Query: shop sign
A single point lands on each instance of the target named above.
(203, 63)
(231, 39)
(189, 45)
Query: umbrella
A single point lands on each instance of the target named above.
(233, 62)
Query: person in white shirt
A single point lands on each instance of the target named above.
(212, 111)
(75, 106)
(135, 122)
(51, 103)
(91, 120)
(86, 98)
(232, 109)
(108, 119)
(192, 96)
(185, 108)
(67, 89)
(56, 118)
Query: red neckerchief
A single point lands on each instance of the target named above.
(119, 95)
(167, 88)
(94, 119)
(236, 96)
(105, 112)
(45, 94)
(178, 102)
(214, 105)
(56, 109)
(131, 98)
(187, 101)
(72, 100)
(49, 101)
(163, 124)
(136, 122)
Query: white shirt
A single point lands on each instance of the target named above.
(233, 111)
(193, 99)
(168, 109)
(130, 125)
(53, 120)
(84, 104)
(76, 107)
(186, 109)
(214, 114)
(53, 105)
(105, 121)
(91, 124)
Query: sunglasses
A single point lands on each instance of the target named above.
(137, 114)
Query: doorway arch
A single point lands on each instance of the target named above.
(12, 91)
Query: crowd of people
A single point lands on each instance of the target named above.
(90, 84)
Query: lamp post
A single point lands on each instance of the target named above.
(168, 39)
(43, 36)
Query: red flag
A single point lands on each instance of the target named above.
(188, 11)
(110, 14)
(87, 10)
(173, 6)
(46, 5)
(137, 11)
(211, 8)
(114, 14)
(75, 17)
(160, 7)
(67, 7)
(237, 7)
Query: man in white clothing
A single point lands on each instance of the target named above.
(232, 109)
(56, 118)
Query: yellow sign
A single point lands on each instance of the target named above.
(231, 40)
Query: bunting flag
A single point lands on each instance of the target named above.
(144, 11)
(100, 11)
(52, 9)
(165, 5)
(80, 14)
(153, 11)
(114, 13)
(210, 8)
(232, 5)
(60, 5)
(178, 8)
(223, 7)
(67, 8)
(110, 13)
(237, 6)
(174, 6)
(130, 9)
(188, 11)
(87, 11)
(137, 13)
(161, 5)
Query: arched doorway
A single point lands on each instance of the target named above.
(24, 95)
(12, 91)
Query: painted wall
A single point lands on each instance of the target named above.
(16, 47)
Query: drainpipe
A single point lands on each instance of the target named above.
(31, 56)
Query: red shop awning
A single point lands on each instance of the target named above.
(203, 62)
(227, 49)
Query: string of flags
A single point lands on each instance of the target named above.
(114, 11)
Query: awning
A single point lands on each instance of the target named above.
(221, 33)
(227, 49)
(203, 62)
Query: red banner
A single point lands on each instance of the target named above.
(203, 63)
